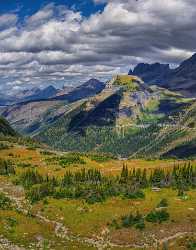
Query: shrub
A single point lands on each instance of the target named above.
(5, 202)
(3, 146)
(157, 216)
(39, 191)
(163, 203)
(138, 194)
(12, 221)
(95, 196)
(70, 159)
(100, 157)
(29, 178)
(130, 220)
(6, 167)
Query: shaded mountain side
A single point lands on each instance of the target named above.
(151, 73)
(5, 128)
(104, 114)
(27, 118)
(186, 150)
(182, 79)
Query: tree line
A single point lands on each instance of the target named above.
(92, 186)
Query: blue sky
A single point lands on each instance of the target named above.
(66, 42)
(29, 7)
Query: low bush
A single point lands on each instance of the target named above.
(5, 202)
(70, 159)
(163, 203)
(133, 220)
(6, 167)
(157, 216)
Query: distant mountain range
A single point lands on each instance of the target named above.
(69, 94)
(28, 95)
(85, 90)
(182, 79)
(35, 112)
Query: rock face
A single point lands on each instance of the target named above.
(181, 79)
(151, 73)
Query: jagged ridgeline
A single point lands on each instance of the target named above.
(5, 128)
(127, 119)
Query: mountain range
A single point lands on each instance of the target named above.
(181, 79)
(141, 114)
(128, 118)
(28, 95)
(28, 116)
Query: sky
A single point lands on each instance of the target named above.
(66, 42)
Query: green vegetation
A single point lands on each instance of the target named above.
(5, 202)
(158, 127)
(133, 220)
(157, 216)
(163, 203)
(100, 157)
(70, 159)
(129, 82)
(6, 167)
(93, 187)
(3, 146)
(191, 245)
(126, 203)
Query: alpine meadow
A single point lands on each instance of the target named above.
(98, 125)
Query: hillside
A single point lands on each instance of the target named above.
(5, 128)
(122, 120)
